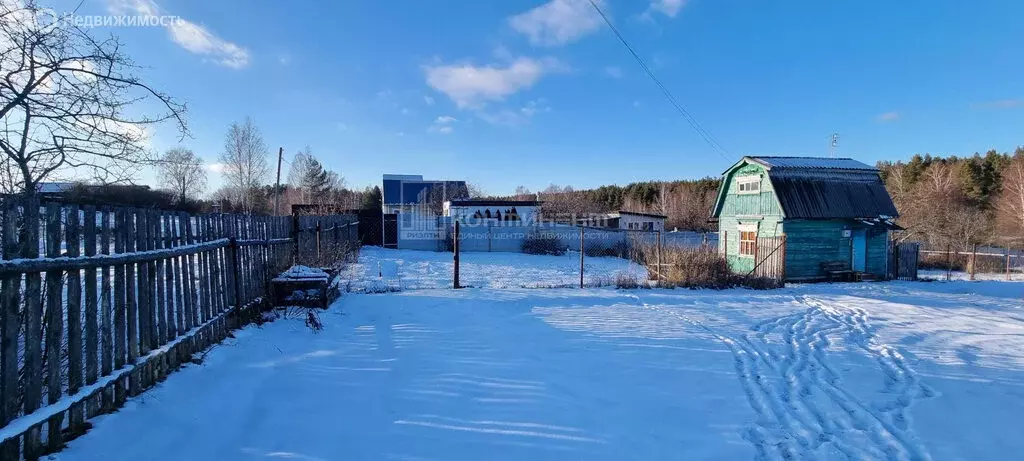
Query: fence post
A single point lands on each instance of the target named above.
(455, 248)
(294, 234)
(236, 267)
(658, 273)
(974, 259)
(949, 262)
(581, 255)
(318, 229)
(1007, 263)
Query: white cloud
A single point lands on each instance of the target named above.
(190, 36)
(613, 71)
(472, 86)
(443, 125)
(405, 111)
(510, 117)
(669, 8)
(557, 22)
(284, 59)
(215, 167)
(888, 117)
(428, 100)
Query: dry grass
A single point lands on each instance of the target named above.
(701, 267)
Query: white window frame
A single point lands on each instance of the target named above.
(751, 244)
(744, 185)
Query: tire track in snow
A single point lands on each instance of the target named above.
(790, 421)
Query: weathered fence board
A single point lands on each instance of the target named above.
(130, 294)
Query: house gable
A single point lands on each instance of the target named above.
(732, 201)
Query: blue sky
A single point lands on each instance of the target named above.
(533, 92)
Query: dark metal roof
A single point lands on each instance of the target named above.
(810, 193)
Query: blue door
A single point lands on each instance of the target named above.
(860, 250)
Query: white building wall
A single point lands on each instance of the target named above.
(658, 224)
(527, 214)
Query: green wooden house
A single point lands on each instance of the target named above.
(832, 212)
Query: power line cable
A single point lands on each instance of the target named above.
(710, 140)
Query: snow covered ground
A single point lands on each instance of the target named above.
(901, 371)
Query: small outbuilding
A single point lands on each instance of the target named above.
(826, 215)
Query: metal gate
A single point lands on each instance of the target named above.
(390, 230)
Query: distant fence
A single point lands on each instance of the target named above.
(975, 259)
(98, 304)
(435, 234)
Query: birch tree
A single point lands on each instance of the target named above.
(245, 163)
(181, 172)
(1010, 201)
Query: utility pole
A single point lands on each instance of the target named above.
(277, 187)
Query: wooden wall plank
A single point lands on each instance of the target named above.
(92, 309)
(133, 294)
(159, 282)
(74, 318)
(10, 289)
(115, 351)
(190, 286)
(54, 322)
(33, 393)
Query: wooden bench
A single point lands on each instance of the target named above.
(837, 270)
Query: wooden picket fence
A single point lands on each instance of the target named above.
(770, 259)
(99, 304)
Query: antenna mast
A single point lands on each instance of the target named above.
(833, 145)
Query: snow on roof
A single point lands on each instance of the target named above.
(812, 162)
(303, 272)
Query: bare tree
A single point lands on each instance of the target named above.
(67, 101)
(314, 183)
(245, 163)
(181, 171)
(1010, 201)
